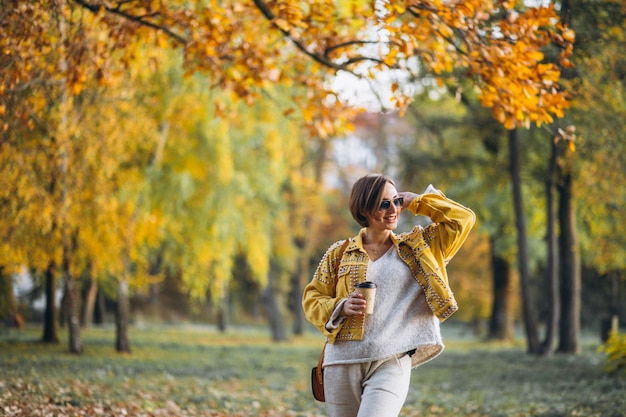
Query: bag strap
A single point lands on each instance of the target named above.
(318, 370)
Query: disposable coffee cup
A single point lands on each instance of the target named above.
(368, 289)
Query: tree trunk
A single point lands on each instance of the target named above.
(552, 273)
(8, 304)
(63, 315)
(614, 307)
(223, 311)
(50, 330)
(122, 317)
(100, 311)
(297, 282)
(67, 237)
(274, 315)
(154, 301)
(570, 270)
(75, 341)
(73, 304)
(501, 322)
(90, 302)
(7, 296)
(530, 322)
(610, 322)
(569, 257)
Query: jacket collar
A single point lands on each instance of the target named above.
(356, 242)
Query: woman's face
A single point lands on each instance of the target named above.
(385, 219)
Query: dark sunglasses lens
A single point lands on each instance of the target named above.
(385, 204)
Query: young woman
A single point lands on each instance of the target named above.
(369, 357)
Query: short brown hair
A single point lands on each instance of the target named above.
(366, 196)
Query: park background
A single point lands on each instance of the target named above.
(171, 173)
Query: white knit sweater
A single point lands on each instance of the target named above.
(402, 319)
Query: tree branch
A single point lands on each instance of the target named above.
(322, 59)
(319, 58)
(137, 19)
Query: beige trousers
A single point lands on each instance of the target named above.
(370, 389)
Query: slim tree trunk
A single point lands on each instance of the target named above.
(614, 307)
(75, 340)
(223, 310)
(72, 295)
(569, 257)
(68, 237)
(274, 315)
(154, 302)
(90, 302)
(530, 322)
(501, 322)
(552, 273)
(50, 329)
(63, 315)
(100, 311)
(570, 270)
(154, 290)
(8, 303)
(122, 318)
(297, 279)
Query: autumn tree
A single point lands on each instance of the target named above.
(598, 112)
(55, 51)
(563, 216)
(62, 207)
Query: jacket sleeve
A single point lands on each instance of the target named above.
(319, 298)
(452, 222)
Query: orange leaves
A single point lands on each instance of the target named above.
(390, 58)
(289, 15)
(244, 54)
(513, 79)
(504, 53)
(397, 8)
(47, 48)
(244, 47)
(569, 36)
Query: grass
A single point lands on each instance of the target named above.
(197, 371)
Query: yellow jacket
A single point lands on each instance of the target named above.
(426, 251)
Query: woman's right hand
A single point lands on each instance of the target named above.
(354, 305)
(407, 196)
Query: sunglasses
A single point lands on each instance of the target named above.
(385, 204)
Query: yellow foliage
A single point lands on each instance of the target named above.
(258, 246)
(615, 350)
(569, 35)
(223, 153)
(232, 176)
